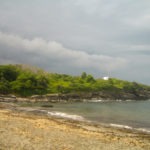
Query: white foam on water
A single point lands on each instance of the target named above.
(143, 130)
(120, 126)
(96, 100)
(65, 115)
(129, 127)
(129, 100)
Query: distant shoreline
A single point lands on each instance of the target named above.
(73, 97)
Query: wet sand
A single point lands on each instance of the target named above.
(21, 130)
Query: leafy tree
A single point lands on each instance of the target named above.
(25, 84)
(9, 72)
(84, 75)
(90, 79)
(41, 84)
(4, 85)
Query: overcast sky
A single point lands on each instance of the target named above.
(100, 37)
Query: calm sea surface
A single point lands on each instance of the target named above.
(135, 114)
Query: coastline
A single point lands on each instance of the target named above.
(22, 129)
(77, 97)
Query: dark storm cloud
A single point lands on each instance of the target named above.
(38, 51)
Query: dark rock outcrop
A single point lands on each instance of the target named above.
(101, 95)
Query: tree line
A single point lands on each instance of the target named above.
(14, 79)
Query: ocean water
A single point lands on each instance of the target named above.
(129, 114)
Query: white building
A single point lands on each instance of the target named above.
(105, 78)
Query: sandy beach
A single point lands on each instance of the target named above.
(20, 130)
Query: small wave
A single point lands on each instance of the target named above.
(96, 100)
(129, 100)
(64, 115)
(131, 128)
(121, 126)
(143, 130)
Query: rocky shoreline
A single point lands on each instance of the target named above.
(75, 97)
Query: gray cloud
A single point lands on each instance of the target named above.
(93, 35)
(38, 51)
